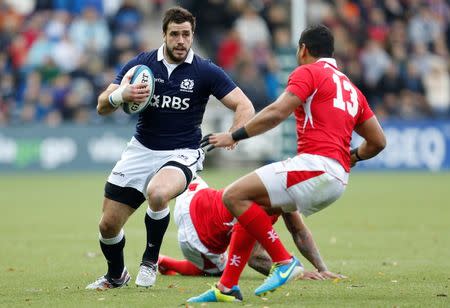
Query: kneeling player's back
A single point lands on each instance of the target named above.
(212, 221)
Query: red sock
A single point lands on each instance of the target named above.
(183, 267)
(256, 221)
(241, 246)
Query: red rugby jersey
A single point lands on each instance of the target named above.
(211, 219)
(332, 107)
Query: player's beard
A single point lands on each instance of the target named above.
(171, 55)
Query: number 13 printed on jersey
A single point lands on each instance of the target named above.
(344, 84)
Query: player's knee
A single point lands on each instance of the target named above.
(108, 228)
(158, 199)
(229, 198)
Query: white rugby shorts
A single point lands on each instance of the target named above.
(190, 244)
(139, 164)
(307, 183)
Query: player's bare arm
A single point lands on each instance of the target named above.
(265, 120)
(243, 109)
(374, 140)
(304, 241)
(103, 105)
(260, 260)
(125, 92)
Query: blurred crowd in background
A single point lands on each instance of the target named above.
(56, 56)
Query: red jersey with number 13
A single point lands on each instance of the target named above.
(332, 107)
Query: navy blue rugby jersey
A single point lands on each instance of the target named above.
(173, 119)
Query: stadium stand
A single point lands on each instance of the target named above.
(57, 55)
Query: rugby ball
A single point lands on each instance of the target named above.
(142, 74)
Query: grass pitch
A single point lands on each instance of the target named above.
(390, 233)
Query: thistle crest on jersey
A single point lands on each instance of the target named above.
(187, 85)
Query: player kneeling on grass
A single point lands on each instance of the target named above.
(205, 229)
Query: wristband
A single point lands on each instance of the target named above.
(115, 98)
(355, 151)
(239, 134)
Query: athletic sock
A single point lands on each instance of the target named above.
(258, 224)
(241, 246)
(112, 249)
(182, 267)
(156, 224)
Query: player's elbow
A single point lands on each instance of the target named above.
(102, 109)
(245, 110)
(379, 144)
(249, 109)
(382, 144)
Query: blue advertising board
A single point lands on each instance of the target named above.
(412, 145)
(65, 148)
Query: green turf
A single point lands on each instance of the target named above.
(389, 233)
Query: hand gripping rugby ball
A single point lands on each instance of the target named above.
(142, 74)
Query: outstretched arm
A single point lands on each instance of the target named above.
(303, 239)
(265, 120)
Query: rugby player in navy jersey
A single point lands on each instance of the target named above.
(164, 154)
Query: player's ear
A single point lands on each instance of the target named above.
(303, 50)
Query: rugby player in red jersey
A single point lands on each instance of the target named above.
(205, 229)
(328, 107)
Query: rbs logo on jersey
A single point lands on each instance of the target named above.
(172, 102)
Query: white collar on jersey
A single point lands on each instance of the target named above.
(189, 58)
(330, 61)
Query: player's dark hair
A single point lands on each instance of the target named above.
(319, 41)
(178, 15)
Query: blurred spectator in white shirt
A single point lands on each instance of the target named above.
(66, 54)
(22, 7)
(252, 28)
(375, 61)
(437, 87)
(423, 28)
(57, 25)
(90, 31)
